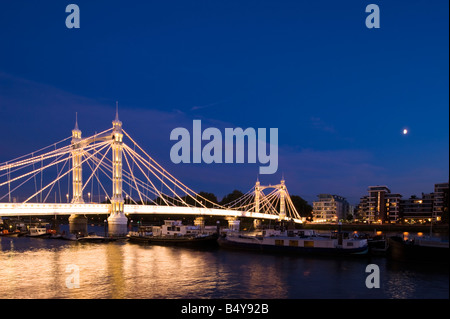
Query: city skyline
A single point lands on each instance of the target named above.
(341, 97)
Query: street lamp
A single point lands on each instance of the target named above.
(89, 196)
(67, 196)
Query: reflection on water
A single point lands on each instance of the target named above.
(37, 268)
(401, 285)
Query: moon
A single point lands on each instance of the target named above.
(405, 131)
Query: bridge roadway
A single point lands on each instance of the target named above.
(48, 209)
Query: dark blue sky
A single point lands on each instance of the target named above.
(339, 93)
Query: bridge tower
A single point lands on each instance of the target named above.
(257, 195)
(77, 153)
(282, 192)
(77, 223)
(282, 200)
(117, 221)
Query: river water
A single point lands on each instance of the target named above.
(51, 268)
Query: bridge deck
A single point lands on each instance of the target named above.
(42, 209)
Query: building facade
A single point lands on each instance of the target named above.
(438, 202)
(377, 203)
(330, 208)
(382, 206)
(362, 209)
(393, 208)
(418, 210)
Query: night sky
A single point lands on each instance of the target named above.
(339, 93)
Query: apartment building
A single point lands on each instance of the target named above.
(418, 209)
(382, 206)
(393, 208)
(439, 197)
(330, 208)
(377, 203)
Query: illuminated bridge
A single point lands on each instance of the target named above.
(74, 178)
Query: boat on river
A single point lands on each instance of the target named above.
(419, 249)
(173, 232)
(7, 233)
(69, 236)
(300, 242)
(38, 232)
(94, 238)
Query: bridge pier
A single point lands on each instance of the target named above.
(78, 224)
(257, 223)
(233, 223)
(117, 225)
(200, 222)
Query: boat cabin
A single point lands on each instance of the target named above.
(37, 231)
(174, 228)
(290, 233)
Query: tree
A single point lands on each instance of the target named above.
(211, 199)
(302, 206)
(231, 197)
(206, 199)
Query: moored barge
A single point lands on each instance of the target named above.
(425, 250)
(300, 242)
(173, 232)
